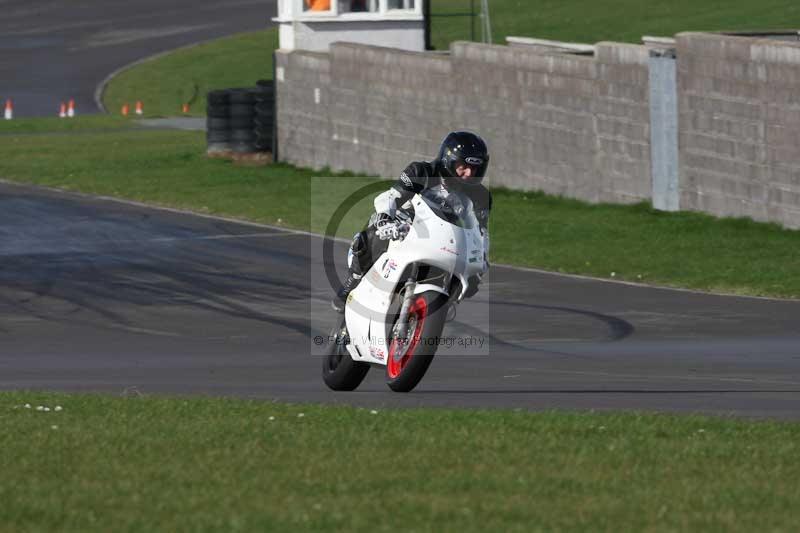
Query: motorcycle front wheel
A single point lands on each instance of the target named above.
(408, 361)
(339, 371)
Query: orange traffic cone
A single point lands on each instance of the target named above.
(139, 107)
(62, 110)
(71, 108)
(185, 108)
(125, 110)
(9, 111)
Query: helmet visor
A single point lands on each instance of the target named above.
(477, 169)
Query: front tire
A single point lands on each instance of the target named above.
(426, 317)
(339, 371)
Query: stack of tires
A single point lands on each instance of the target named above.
(265, 114)
(241, 121)
(218, 132)
(243, 126)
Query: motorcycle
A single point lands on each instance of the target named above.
(395, 317)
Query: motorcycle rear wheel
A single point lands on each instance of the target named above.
(405, 367)
(339, 371)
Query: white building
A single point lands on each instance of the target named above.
(315, 24)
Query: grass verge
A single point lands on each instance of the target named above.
(634, 243)
(151, 464)
(186, 75)
(589, 21)
(54, 125)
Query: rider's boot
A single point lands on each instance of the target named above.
(357, 256)
(347, 287)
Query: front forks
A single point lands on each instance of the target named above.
(401, 326)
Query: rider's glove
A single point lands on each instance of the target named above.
(387, 227)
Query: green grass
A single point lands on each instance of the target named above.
(153, 464)
(185, 76)
(50, 125)
(635, 243)
(589, 21)
(160, 166)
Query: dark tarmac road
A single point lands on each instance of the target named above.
(51, 51)
(97, 295)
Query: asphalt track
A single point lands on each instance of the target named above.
(97, 295)
(52, 50)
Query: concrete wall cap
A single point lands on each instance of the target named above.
(612, 52)
(343, 45)
(557, 45)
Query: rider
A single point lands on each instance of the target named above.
(460, 166)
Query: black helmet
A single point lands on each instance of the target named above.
(463, 148)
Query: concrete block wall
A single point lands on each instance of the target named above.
(558, 122)
(563, 123)
(389, 107)
(739, 127)
(303, 95)
(622, 113)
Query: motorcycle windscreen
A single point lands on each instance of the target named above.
(452, 207)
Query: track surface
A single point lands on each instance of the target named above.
(51, 51)
(102, 296)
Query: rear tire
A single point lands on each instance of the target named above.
(428, 311)
(339, 371)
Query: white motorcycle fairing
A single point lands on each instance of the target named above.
(453, 246)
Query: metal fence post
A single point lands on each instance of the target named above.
(664, 130)
(275, 108)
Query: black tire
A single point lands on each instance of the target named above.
(339, 371)
(265, 108)
(430, 308)
(265, 90)
(265, 98)
(217, 98)
(217, 111)
(242, 123)
(243, 135)
(261, 134)
(265, 118)
(263, 126)
(263, 145)
(242, 111)
(241, 147)
(242, 96)
(218, 136)
(217, 123)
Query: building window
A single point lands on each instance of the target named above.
(401, 4)
(358, 6)
(316, 6)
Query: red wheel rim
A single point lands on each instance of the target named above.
(418, 311)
